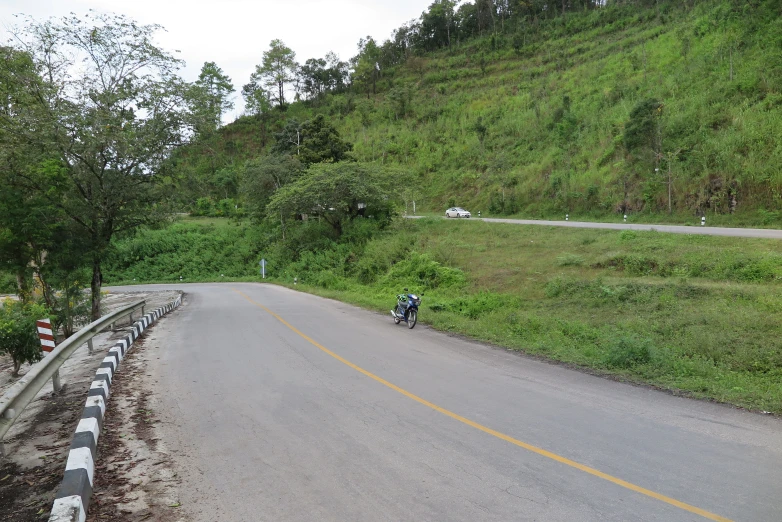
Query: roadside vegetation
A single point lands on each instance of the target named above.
(693, 314)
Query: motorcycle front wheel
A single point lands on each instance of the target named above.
(412, 317)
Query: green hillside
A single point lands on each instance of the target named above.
(567, 114)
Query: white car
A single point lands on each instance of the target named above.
(457, 212)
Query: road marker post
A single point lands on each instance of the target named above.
(703, 221)
(46, 336)
(263, 268)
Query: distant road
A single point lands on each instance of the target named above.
(674, 229)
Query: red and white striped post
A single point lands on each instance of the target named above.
(46, 336)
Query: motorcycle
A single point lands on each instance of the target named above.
(407, 311)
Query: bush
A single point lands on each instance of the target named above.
(18, 332)
(379, 256)
(628, 352)
(423, 271)
(7, 283)
(203, 207)
(193, 251)
(570, 260)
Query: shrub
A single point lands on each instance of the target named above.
(421, 270)
(570, 260)
(18, 332)
(7, 283)
(628, 351)
(203, 207)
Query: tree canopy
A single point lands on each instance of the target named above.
(277, 69)
(336, 192)
(110, 112)
(210, 97)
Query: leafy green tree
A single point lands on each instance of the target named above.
(337, 72)
(322, 142)
(257, 100)
(111, 109)
(28, 222)
(18, 333)
(210, 97)
(313, 141)
(337, 192)
(277, 69)
(480, 129)
(262, 177)
(314, 77)
(437, 23)
(258, 103)
(290, 138)
(400, 100)
(366, 65)
(642, 130)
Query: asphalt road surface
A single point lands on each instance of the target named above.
(282, 406)
(768, 233)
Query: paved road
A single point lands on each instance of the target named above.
(289, 407)
(674, 229)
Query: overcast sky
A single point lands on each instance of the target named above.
(235, 33)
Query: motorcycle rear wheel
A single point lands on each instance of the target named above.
(412, 318)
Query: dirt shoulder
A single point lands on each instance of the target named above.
(135, 478)
(37, 445)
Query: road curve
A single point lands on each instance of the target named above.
(285, 406)
(767, 233)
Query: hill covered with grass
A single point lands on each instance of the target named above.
(602, 111)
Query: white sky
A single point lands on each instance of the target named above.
(235, 33)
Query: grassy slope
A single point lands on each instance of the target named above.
(694, 313)
(550, 163)
(541, 158)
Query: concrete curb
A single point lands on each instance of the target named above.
(73, 497)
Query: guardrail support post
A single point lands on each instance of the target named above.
(131, 319)
(56, 382)
(2, 450)
(89, 345)
(142, 310)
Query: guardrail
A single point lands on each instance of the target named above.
(22, 393)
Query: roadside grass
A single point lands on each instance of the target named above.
(698, 315)
(693, 314)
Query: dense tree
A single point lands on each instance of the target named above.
(112, 112)
(313, 141)
(210, 97)
(278, 69)
(314, 77)
(437, 24)
(337, 192)
(642, 131)
(23, 217)
(366, 65)
(263, 176)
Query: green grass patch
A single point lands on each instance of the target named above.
(693, 314)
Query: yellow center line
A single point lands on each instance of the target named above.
(507, 438)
